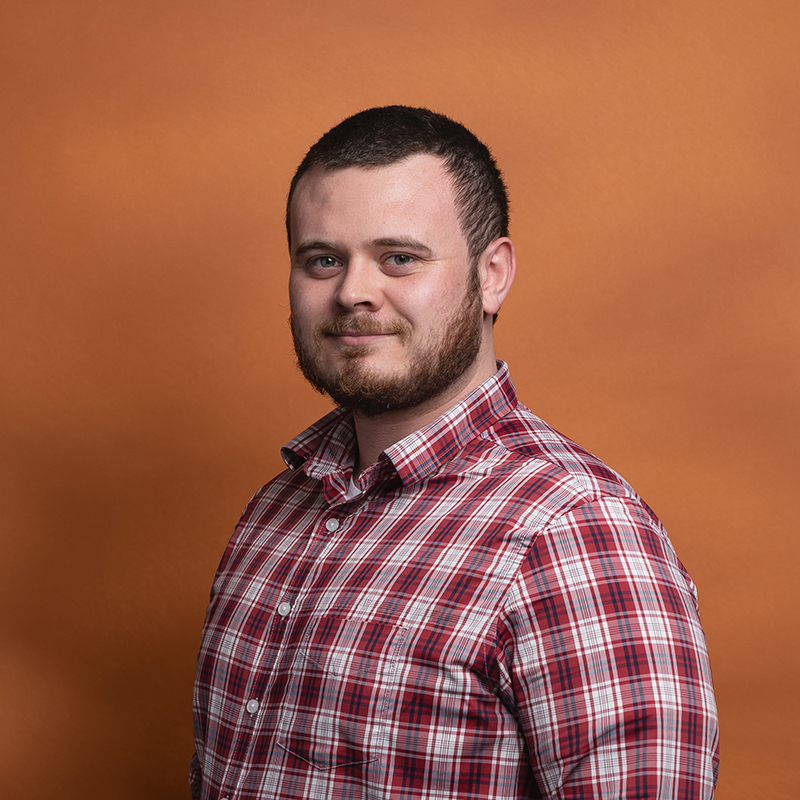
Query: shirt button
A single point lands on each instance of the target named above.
(284, 608)
(332, 525)
(252, 706)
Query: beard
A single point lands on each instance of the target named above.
(431, 368)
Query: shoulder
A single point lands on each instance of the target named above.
(523, 433)
(598, 539)
(519, 452)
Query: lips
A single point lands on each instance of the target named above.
(362, 334)
(361, 330)
(359, 326)
(354, 339)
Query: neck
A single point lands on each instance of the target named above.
(376, 434)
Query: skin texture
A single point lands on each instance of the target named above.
(387, 309)
(432, 365)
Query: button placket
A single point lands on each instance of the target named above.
(306, 560)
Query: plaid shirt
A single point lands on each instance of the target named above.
(498, 615)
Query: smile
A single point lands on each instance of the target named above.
(356, 339)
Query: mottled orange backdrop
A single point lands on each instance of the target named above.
(652, 152)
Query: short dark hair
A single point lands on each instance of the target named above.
(381, 136)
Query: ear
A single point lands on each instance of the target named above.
(497, 268)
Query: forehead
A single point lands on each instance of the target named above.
(415, 192)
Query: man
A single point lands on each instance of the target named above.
(441, 597)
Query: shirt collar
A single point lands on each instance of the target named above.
(424, 451)
(327, 449)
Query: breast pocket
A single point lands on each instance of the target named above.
(335, 710)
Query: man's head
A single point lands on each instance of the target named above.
(397, 268)
(378, 137)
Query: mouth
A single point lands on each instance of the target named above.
(360, 331)
(358, 338)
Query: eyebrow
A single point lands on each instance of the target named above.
(315, 245)
(402, 243)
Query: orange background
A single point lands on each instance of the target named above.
(652, 152)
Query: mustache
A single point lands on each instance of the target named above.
(361, 324)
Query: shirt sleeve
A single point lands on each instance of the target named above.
(195, 779)
(604, 661)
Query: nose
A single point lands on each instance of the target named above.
(359, 285)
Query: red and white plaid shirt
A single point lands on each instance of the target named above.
(498, 615)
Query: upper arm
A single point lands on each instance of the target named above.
(606, 660)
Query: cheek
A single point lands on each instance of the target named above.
(304, 302)
(297, 289)
(431, 303)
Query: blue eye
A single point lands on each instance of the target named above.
(325, 261)
(401, 259)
